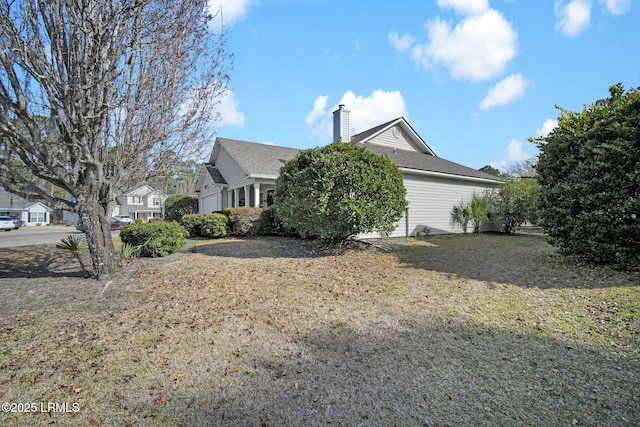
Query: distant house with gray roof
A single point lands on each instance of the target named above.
(30, 212)
(241, 173)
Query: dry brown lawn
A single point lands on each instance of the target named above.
(444, 331)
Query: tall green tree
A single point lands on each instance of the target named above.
(339, 191)
(120, 82)
(589, 175)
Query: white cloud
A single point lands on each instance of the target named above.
(465, 7)
(478, 48)
(232, 10)
(401, 44)
(573, 17)
(319, 110)
(515, 154)
(617, 7)
(505, 91)
(228, 109)
(547, 127)
(366, 112)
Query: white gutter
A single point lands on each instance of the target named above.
(450, 176)
(258, 176)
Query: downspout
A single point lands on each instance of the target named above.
(406, 219)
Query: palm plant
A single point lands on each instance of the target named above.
(461, 215)
(74, 245)
(479, 206)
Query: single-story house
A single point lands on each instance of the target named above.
(31, 213)
(241, 173)
(143, 202)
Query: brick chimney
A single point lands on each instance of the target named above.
(341, 127)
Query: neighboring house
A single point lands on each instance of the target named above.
(142, 203)
(31, 213)
(240, 169)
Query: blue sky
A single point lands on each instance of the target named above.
(475, 78)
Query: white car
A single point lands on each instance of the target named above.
(6, 223)
(124, 218)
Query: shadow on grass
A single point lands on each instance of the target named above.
(423, 373)
(523, 260)
(270, 247)
(38, 261)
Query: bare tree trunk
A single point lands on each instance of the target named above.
(98, 232)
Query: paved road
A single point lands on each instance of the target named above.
(36, 235)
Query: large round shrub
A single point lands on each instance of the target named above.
(338, 191)
(156, 239)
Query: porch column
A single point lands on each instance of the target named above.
(230, 198)
(247, 196)
(236, 197)
(256, 195)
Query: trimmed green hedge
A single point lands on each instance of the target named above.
(243, 221)
(206, 225)
(156, 239)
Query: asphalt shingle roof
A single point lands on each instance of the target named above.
(10, 201)
(258, 159)
(426, 162)
(215, 174)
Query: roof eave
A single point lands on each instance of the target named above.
(450, 176)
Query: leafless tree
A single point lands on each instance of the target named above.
(94, 93)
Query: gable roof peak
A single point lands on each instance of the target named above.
(369, 134)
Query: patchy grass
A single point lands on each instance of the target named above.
(449, 330)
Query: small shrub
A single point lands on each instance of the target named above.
(138, 221)
(243, 221)
(151, 220)
(156, 239)
(206, 225)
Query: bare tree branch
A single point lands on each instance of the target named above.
(93, 93)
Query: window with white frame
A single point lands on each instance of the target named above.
(156, 201)
(136, 200)
(37, 217)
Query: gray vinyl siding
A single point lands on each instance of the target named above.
(232, 172)
(401, 142)
(431, 200)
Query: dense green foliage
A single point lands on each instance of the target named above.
(271, 225)
(338, 191)
(589, 173)
(211, 226)
(514, 203)
(156, 239)
(244, 221)
(179, 205)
